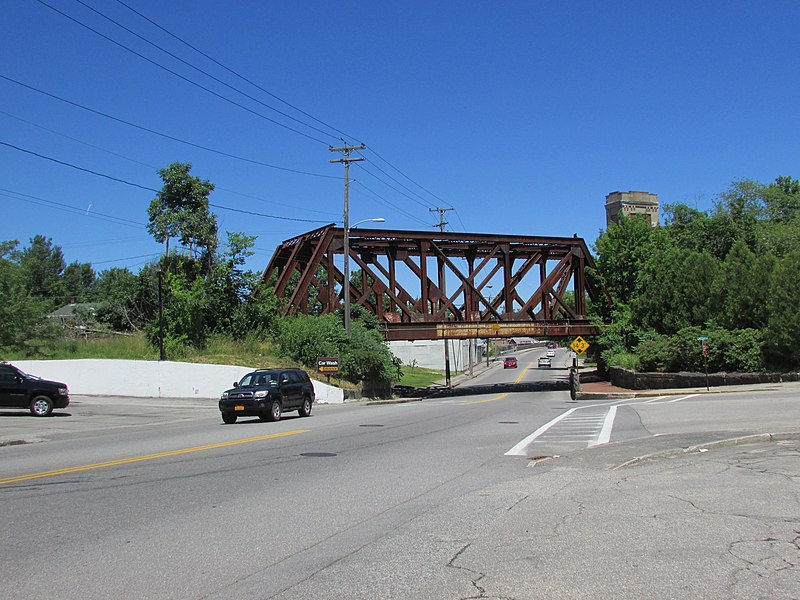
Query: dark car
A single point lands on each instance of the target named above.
(21, 390)
(267, 394)
(510, 362)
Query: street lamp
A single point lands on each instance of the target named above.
(347, 229)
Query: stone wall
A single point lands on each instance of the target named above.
(654, 381)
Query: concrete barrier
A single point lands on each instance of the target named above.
(151, 379)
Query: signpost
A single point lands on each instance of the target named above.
(328, 367)
(579, 346)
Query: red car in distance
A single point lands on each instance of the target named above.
(510, 362)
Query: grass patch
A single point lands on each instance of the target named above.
(254, 352)
(419, 376)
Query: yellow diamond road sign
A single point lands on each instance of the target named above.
(579, 345)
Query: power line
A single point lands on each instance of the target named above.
(390, 186)
(69, 208)
(144, 187)
(409, 190)
(154, 168)
(406, 176)
(377, 196)
(179, 76)
(240, 76)
(199, 70)
(160, 134)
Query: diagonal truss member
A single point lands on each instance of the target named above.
(502, 285)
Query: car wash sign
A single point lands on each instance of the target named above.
(328, 366)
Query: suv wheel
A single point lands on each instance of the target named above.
(228, 418)
(305, 409)
(275, 410)
(41, 406)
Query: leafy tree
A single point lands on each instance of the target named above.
(42, 266)
(118, 292)
(783, 328)
(180, 210)
(782, 199)
(674, 288)
(184, 314)
(77, 282)
(621, 251)
(19, 313)
(740, 288)
(688, 227)
(737, 211)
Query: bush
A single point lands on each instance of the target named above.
(737, 350)
(364, 356)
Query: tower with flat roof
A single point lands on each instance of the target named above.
(642, 205)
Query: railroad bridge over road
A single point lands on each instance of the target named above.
(425, 285)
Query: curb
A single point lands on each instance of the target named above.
(697, 448)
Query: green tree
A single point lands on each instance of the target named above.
(119, 293)
(20, 314)
(740, 289)
(737, 212)
(621, 252)
(77, 282)
(42, 266)
(674, 288)
(180, 210)
(783, 329)
(782, 199)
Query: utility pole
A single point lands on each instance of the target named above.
(442, 287)
(346, 284)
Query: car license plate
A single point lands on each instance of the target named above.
(238, 407)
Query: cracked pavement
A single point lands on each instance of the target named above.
(721, 523)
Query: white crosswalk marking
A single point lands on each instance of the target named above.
(581, 426)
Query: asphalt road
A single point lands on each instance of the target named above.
(507, 494)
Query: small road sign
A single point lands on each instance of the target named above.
(579, 345)
(328, 366)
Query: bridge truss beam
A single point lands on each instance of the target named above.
(540, 282)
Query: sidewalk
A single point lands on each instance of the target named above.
(598, 390)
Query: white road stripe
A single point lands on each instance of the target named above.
(518, 450)
(684, 398)
(608, 425)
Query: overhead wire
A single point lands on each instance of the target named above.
(419, 199)
(179, 76)
(153, 167)
(231, 71)
(202, 71)
(370, 149)
(380, 198)
(428, 205)
(69, 208)
(144, 187)
(163, 135)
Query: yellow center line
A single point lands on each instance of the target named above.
(501, 396)
(134, 459)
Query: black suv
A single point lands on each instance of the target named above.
(266, 394)
(20, 390)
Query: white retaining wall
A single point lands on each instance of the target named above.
(430, 353)
(151, 379)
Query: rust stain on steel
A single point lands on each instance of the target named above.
(433, 285)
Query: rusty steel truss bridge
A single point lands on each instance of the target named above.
(424, 285)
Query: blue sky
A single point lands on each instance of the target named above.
(520, 115)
